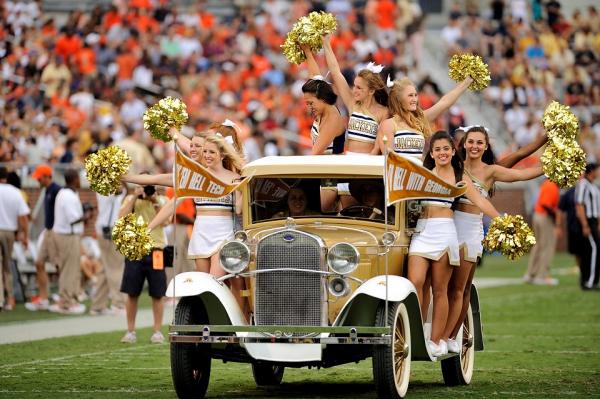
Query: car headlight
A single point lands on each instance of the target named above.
(343, 258)
(234, 257)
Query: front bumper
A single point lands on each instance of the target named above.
(228, 334)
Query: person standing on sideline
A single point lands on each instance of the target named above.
(13, 224)
(67, 231)
(145, 203)
(109, 277)
(547, 228)
(587, 208)
(47, 247)
(566, 205)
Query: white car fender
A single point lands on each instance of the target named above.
(200, 283)
(398, 289)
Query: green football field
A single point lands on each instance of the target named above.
(540, 342)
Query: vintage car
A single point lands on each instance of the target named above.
(321, 288)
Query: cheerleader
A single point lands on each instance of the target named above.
(366, 102)
(328, 129)
(435, 245)
(480, 166)
(214, 222)
(409, 125)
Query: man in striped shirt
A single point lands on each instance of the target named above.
(587, 208)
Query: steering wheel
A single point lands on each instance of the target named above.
(359, 211)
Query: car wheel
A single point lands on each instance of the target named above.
(458, 370)
(391, 363)
(190, 363)
(266, 374)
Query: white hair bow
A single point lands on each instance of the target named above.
(389, 83)
(373, 67)
(229, 123)
(467, 128)
(321, 78)
(228, 139)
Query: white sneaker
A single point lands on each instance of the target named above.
(434, 348)
(453, 346)
(129, 338)
(443, 347)
(157, 338)
(78, 308)
(40, 304)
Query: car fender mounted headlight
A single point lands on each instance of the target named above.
(234, 257)
(343, 258)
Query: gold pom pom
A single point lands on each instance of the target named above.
(131, 237)
(510, 235)
(167, 113)
(563, 161)
(559, 122)
(462, 66)
(307, 30)
(105, 168)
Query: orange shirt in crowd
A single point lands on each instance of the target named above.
(85, 59)
(206, 20)
(141, 4)
(111, 18)
(547, 198)
(127, 63)
(67, 46)
(386, 13)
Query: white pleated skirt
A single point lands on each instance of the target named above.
(209, 234)
(435, 237)
(469, 229)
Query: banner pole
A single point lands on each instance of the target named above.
(385, 221)
(174, 226)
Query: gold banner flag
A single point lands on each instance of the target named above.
(194, 180)
(406, 180)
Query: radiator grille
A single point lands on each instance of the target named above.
(288, 297)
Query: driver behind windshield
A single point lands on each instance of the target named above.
(370, 197)
(297, 204)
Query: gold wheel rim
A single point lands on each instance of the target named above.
(401, 350)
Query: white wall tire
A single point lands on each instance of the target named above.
(391, 363)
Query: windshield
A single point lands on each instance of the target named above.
(277, 198)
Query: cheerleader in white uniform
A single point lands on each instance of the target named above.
(435, 245)
(481, 168)
(328, 129)
(367, 102)
(409, 120)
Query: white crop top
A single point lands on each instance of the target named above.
(362, 127)
(409, 143)
(438, 202)
(479, 186)
(223, 203)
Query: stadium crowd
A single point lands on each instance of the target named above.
(536, 54)
(77, 86)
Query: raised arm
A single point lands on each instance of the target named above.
(480, 202)
(311, 63)
(507, 175)
(512, 159)
(327, 133)
(163, 215)
(336, 74)
(447, 100)
(164, 179)
(183, 142)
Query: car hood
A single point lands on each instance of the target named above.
(359, 236)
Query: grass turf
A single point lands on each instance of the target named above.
(540, 342)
